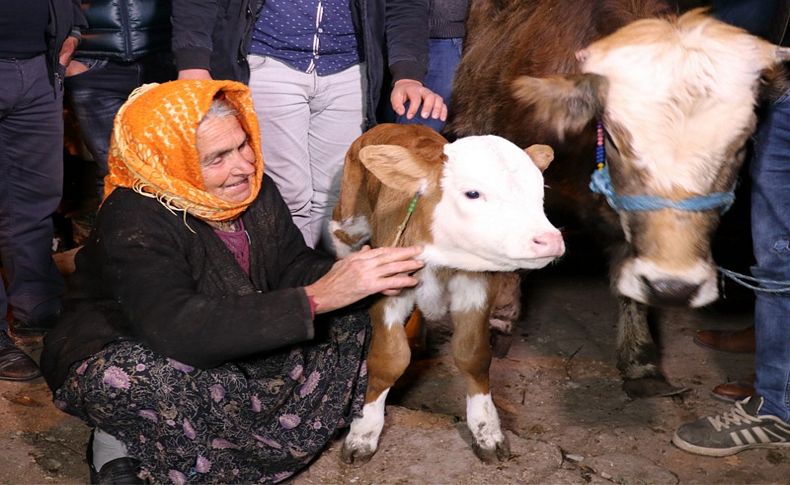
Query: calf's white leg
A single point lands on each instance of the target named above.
(388, 357)
(472, 296)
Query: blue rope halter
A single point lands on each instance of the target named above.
(601, 183)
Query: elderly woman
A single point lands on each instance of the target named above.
(195, 338)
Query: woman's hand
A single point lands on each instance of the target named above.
(364, 273)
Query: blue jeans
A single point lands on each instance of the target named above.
(96, 95)
(770, 171)
(31, 184)
(443, 58)
(755, 16)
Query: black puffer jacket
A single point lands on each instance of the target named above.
(125, 30)
(216, 35)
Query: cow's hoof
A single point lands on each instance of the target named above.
(491, 455)
(651, 387)
(355, 456)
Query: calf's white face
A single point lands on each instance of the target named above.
(490, 216)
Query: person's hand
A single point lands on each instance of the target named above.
(364, 273)
(75, 67)
(430, 104)
(196, 74)
(67, 50)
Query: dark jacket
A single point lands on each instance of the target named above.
(216, 35)
(65, 19)
(125, 30)
(145, 275)
(447, 18)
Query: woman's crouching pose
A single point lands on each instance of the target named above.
(202, 338)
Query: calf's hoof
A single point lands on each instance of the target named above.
(356, 455)
(655, 386)
(501, 452)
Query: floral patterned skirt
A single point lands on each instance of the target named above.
(258, 420)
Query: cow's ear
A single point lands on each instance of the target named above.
(395, 166)
(541, 155)
(567, 104)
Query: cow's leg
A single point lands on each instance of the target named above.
(637, 353)
(471, 297)
(506, 310)
(388, 357)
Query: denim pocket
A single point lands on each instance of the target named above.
(92, 65)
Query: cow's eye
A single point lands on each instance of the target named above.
(472, 194)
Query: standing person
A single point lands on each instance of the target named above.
(762, 420)
(127, 44)
(200, 333)
(37, 39)
(315, 68)
(446, 31)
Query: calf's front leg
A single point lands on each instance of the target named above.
(388, 358)
(472, 296)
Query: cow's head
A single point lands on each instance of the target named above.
(677, 99)
(485, 202)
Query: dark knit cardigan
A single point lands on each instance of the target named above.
(169, 282)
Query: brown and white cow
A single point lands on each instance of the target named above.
(479, 212)
(676, 96)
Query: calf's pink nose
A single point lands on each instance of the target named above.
(548, 244)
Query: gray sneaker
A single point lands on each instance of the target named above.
(739, 429)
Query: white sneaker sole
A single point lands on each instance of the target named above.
(719, 452)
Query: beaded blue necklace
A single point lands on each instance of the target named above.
(601, 183)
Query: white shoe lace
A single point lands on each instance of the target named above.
(736, 417)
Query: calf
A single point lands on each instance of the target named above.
(476, 205)
(675, 97)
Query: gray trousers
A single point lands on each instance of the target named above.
(31, 185)
(307, 123)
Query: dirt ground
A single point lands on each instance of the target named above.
(558, 393)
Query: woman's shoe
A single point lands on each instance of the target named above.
(120, 471)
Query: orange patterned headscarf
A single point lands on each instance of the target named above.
(153, 147)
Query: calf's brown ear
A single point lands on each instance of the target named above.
(566, 103)
(395, 166)
(541, 155)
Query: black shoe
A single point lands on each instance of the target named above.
(739, 429)
(34, 328)
(120, 471)
(15, 365)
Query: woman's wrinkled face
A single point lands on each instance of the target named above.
(227, 161)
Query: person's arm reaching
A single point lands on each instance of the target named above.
(193, 24)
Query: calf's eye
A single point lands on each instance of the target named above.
(472, 194)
